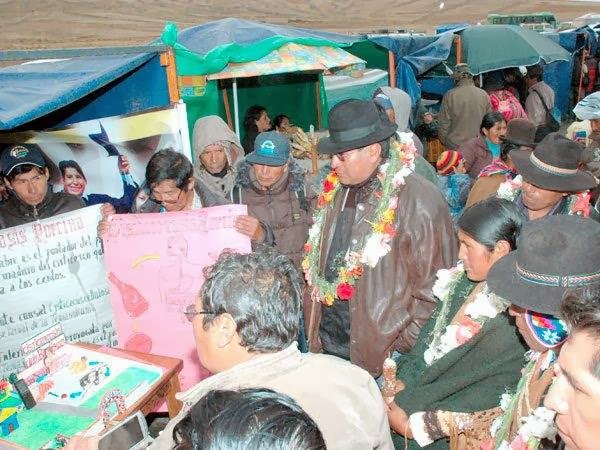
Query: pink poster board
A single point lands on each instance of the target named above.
(154, 265)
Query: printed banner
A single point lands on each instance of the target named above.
(154, 264)
(104, 160)
(52, 272)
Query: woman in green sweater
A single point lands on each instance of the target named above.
(468, 353)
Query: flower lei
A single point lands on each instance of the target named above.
(577, 204)
(485, 306)
(538, 425)
(392, 176)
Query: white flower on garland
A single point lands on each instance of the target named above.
(483, 307)
(445, 278)
(539, 424)
(509, 189)
(376, 247)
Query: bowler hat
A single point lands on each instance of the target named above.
(553, 165)
(520, 132)
(552, 255)
(355, 124)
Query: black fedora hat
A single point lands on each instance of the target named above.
(354, 124)
(553, 254)
(553, 165)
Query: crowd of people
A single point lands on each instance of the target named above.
(376, 310)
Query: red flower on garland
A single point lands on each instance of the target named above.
(328, 186)
(307, 247)
(344, 291)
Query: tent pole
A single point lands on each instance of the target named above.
(236, 108)
(392, 68)
(227, 108)
(319, 112)
(458, 42)
(167, 60)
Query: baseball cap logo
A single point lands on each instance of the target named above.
(19, 152)
(267, 148)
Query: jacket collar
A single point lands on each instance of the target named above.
(28, 210)
(265, 366)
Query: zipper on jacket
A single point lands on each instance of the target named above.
(35, 212)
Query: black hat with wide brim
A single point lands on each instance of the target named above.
(553, 255)
(553, 165)
(354, 124)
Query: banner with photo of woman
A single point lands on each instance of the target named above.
(104, 160)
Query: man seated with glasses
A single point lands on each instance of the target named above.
(245, 323)
(26, 175)
(170, 176)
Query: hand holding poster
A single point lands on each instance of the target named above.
(52, 271)
(155, 264)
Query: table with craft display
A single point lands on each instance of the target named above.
(71, 388)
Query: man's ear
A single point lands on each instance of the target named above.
(226, 330)
(374, 151)
(7, 183)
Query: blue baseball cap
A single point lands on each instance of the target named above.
(18, 155)
(271, 149)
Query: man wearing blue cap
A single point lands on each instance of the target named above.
(26, 175)
(276, 191)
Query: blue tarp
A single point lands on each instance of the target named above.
(203, 38)
(415, 55)
(31, 91)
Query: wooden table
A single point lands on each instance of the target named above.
(164, 389)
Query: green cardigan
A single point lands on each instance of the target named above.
(469, 378)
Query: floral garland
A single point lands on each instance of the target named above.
(577, 204)
(376, 245)
(538, 425)
(485, 306)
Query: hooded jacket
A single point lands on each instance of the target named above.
(211, 130)
(14, 212)
(286, 206)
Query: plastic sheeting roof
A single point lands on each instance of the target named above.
(203, 38)
(32, 90)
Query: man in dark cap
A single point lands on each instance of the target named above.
(462, 109)
(551, 180)
(26, 175)
(554, 255)
(381, 233)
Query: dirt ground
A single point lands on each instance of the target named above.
(39, 24)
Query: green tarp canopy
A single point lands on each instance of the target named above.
(209, 48)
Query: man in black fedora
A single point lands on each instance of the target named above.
(381, 233)
(551, 180)
(554, 255)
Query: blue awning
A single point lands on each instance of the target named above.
(32, 90)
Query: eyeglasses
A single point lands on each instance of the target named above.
(161, 197)
(344, 155)
(190, 312)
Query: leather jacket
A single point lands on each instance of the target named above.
(14, 212)
(393, 300)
